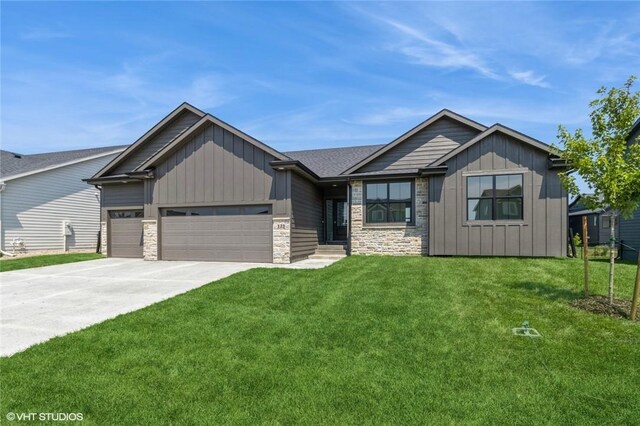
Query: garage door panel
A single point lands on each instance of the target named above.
(125, 238)
(227, 238)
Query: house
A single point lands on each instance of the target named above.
(45, 205)
(598, 222)
(195, 188)
(630, 228)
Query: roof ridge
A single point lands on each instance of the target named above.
(337, 147)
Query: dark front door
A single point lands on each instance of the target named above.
(340, 217)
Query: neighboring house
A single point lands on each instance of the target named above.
(40, 193)
(630, 228)
(195, 188)
(598, 222)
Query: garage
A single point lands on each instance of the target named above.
(220, 233)
(125, 236)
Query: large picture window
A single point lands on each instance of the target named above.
(389, 202)
(496, 197)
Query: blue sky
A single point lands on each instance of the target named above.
(304, 75)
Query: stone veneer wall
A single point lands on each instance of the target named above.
(150, 239)
(281, 240)
(390, 239)
(103, 238)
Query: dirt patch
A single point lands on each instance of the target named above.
(600, 305)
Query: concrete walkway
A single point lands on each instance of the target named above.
(40, 303)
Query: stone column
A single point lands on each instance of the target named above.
(103, 238)
(150, 239)
(281, 240)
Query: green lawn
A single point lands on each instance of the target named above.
(367, 340)
(9, 264)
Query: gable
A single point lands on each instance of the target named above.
(491, 133)
(214, 165)
(173, 129)
(424, 147)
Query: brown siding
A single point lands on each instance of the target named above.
(424, 147)
(544, 228)
(123, 195)
(306, 223)
(215, 167)
(146, 150)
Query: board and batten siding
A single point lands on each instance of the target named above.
(543, 232)
(128, 195)
(306, 217)
(34, 207)
(216, 167)
(423, 148)
(629, 231)
(178, 125)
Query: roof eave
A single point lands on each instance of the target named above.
(296, 166)
(57, 166)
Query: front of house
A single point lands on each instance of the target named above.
(196, 188)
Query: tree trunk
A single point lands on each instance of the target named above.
(612, 259)
(636, 294)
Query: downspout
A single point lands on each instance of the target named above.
(349, 218)
(100, 236)
(4, 253)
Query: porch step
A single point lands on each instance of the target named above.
(331, 249)
(327, 256)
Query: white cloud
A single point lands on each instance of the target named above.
(531, 78)
(43, 34)
(429, 51)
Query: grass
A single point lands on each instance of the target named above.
(9, 264)
(368, 340)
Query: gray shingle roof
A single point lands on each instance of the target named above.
(332, 161)
(12, 164)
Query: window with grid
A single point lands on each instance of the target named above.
(497, 197)
(389, 202)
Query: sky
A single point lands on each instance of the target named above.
(304, 75)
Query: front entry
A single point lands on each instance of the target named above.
(337, 214)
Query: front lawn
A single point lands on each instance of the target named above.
(12, 264)
(367, 340)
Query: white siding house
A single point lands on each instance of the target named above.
(40, 193)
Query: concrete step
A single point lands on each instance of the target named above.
(330, 249)
(327, 256)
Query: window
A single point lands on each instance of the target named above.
(389, 202)
(606, 222)
(257, 210)
(227, 211)
(174, 212)
(215, 211)
(125, 214)
(496, 197)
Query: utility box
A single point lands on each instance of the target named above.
(67, 229)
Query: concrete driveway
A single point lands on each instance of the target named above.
(40, 303)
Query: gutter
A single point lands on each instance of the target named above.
(557, 163)
(295, 166)
(122, 178)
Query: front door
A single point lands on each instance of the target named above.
(340, 218)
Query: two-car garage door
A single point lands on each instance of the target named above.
(230, 233)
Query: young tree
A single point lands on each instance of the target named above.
(607, 163)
